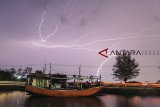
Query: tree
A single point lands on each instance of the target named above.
(12, 70)
(27, 70)
(38, 72)
(125, 68)
(6, 75)
(19, 71)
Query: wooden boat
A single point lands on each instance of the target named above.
(58, 85)
(62, 93)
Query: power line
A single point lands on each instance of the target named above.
(65, 65)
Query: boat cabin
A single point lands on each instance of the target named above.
(62, 81)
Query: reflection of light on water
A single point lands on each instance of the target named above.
(109, 100)
(64, 102)
(10, 99)
(20, 99)
(130, 101)
(135, 101)
(152, 101)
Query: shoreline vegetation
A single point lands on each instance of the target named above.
(142, 89)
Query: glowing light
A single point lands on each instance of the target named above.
(19, 77)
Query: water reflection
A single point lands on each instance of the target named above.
(63, 102)
(130, 101)
(12, 99)
(21, 99)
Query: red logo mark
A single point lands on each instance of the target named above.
(104, 52)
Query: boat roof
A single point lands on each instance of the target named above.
(46, 76)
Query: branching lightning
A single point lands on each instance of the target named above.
(63, 46)
(104, 40)
(40, 26)
(53, 33)
(74, 46)
(44, 39)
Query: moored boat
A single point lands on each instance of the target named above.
(60, 85)
(62, 93)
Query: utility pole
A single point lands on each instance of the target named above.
(50, 69)
(50, 76)
(44, 68)
(30, 70)
(79, 70)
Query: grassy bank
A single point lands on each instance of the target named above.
(131, 91)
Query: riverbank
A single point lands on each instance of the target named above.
(114, 88)
(131, 91)
(12, 85)
(142, 89)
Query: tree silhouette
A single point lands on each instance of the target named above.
(6, 75)
(12, 70)
(27, 70)
(38, 72)
(125, 68)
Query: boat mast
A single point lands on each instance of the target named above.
(79, 70)
(44, 68)
(30, 71)
(50, 76)
(80, 79)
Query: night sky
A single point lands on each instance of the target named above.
(72, 32)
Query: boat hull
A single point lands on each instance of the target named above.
(62, 93)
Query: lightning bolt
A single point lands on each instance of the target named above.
(72, 45)
(81, 37)
(141, 33)
(107, 59)
(53, 33)
(67, 6)
(112, 39)
(63, 46)
(40, 26)
(79, 47)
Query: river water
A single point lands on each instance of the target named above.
(21, 99)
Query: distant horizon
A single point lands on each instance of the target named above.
(73, 70)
